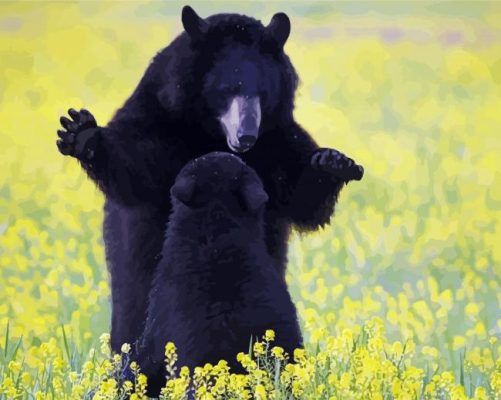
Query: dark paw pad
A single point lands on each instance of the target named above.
(336, 163)
(74, 139)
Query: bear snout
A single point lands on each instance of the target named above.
(247, 141)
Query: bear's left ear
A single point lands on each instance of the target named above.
(252, 192)
(279, 29)
(183, 189)
(192, 23)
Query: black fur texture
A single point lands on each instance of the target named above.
(215, 286)
(172, 117)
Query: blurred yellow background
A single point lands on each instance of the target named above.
(410, 91)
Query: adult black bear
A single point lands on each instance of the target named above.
(224, 83)
(216, 286)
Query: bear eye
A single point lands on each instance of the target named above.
(227, 90)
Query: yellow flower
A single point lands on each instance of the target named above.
(9, 388)
(127, 386)
(278, 352)
(299, 355)
(269, 335)
(430, 351)
(108, 387)
(472, 309)
(88, 367)
(26, 379)
(142, 379)
(104, 338)
(14, 367)
(105, 343)
(246, 361)
(495, 380)
(260, 392)
(397, 349)
(170, 349)
(458, 342)
(480, 394)
(297, 388)
(258, 349)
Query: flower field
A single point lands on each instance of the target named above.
(400, 298)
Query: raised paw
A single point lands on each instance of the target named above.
(336, 163)
(76, 139)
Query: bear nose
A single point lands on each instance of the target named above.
(247, 140)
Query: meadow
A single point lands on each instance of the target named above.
(399, 297)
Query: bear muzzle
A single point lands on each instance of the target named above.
(241, 122)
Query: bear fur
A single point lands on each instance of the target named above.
(225, 83)
(216, 286)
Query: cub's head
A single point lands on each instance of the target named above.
(220, 182)
(235, 78)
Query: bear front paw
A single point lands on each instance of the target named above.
(78, 138)
(337, 164)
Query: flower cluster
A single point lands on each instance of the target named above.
(358, 364)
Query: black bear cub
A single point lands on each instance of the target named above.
(216, 285)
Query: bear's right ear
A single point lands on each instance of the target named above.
(192, 23)
(183, 189)
(252, 192)
(279, 29)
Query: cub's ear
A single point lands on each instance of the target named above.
(252, 192)
(183, 190)
(192, 23)
(279, 29)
